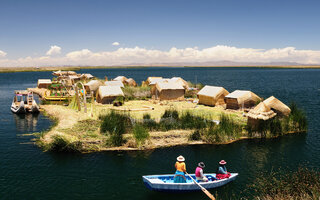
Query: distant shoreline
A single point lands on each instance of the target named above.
(76, 68)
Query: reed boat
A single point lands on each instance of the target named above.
(164, 183)
(23, 102)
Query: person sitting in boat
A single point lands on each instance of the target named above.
(180, 166)
(222, 170)
(199, 173)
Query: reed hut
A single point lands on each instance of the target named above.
(44, 83)
(152, 79)
(107, 94)
(86, 77)
(169, 91)
(114, 83)
(64, 73)
(120, 78)
(212, 95)
(180, 81)
(74, 78)
(241, 99)
(92, 86)
(261, 112)
(131, 82)
(277, 106)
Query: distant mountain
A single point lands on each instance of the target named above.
(218, 63)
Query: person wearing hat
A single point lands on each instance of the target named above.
(180, 166)
(222, 170)
(199, 173)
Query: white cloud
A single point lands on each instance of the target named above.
(2, 54)
(54, 50)
(115, 44)
(123, 56)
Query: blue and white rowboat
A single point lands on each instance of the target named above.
(165, 183)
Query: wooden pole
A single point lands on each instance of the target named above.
(77, 98)
(203, 189)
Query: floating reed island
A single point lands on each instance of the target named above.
(91, 114)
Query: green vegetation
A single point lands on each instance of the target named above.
(115, 125)
(62, 144)
(140, 134)
(301, 184)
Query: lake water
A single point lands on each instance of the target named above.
(28, 173)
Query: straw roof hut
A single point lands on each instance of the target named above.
(92, 86)
(181, 81)
(260, 112)
(169, 91)
(107, 94)
(241, 99)
(277, 106)
(212, 95)
(152, 79)
(86, 77)
(44, 83)
(74, 78)
(130, 82)
(64, 73)
(114, 83)
(120, 78)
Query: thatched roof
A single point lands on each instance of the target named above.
(74, 77)
(158, 80)
(114, 83)
(87, 76)
(151, 79)
(44, 81)
(277, 105)
(110, 91)
(62, 73)
(93, 85)
(169, 86)
(180, 80)
(212, 91)
(261, 111)
(131, 82)
(243, 96)
(120, 78)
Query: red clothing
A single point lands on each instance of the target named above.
(198, 172)
(223, 176)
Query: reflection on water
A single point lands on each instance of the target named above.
(26, 122)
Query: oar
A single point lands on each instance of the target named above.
(202, 188)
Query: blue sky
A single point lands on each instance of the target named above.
(29, 28)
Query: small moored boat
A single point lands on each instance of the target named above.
(165, 183)
(23, 102)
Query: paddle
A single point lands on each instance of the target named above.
(203, 189)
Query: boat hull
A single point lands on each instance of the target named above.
(20, 109)
(164, 183)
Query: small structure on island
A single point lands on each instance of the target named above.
(277, 106)
(152, 79)
(114, 83)
(86, 77)
(92, 86)
(169, 91)
(74, 78)
(241, 99)
(107, 94)
(212, 95)
(261, 112)
(131, 82)
(44, 83)
(120, 78)
(180, 81)
(64, 73)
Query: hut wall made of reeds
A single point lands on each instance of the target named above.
(212, 95)
(241, 99)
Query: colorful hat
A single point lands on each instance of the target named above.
(201, 164)
(180, 158)
(222, 162)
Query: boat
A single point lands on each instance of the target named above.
(23, 102)
(164, 183)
